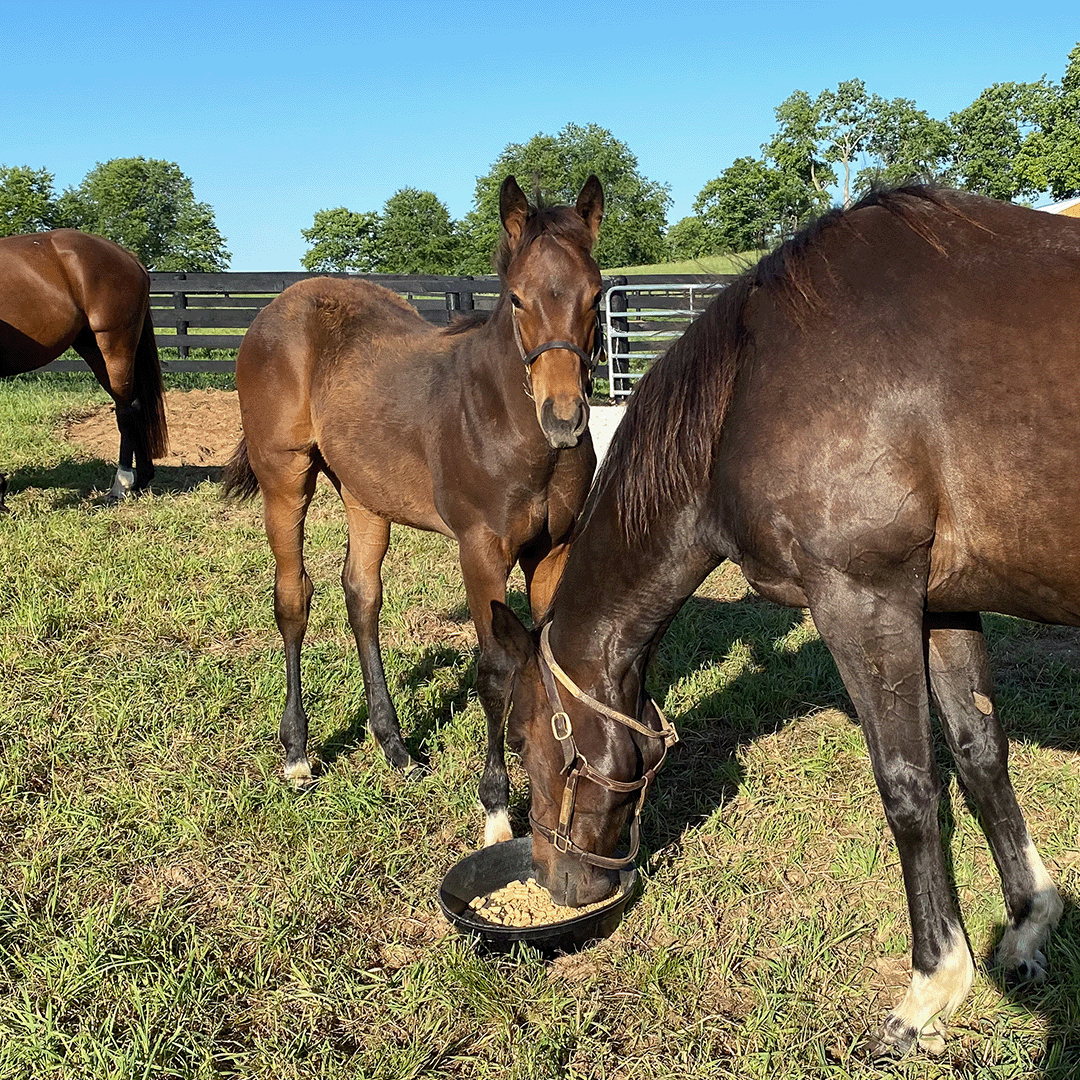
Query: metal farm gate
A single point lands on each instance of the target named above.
(642, 317)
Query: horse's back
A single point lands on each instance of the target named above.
(925, 396)
(326, 344)
(54, 285)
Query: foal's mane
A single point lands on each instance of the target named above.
(663, 450)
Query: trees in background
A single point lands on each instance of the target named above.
(27, 200)
(557, 166)
(148, 206)
(414, 234)
(1014, 141)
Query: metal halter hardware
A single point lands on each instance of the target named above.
(577, 767)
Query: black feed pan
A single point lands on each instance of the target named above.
(493, 867)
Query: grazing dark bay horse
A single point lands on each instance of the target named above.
(879, 422)
(478, 431)
(69, 289)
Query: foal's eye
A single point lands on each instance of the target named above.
(516, 301)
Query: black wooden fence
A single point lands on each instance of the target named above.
(194, 313)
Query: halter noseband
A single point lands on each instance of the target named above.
(576, 767)
(590, 360)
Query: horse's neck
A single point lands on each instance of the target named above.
(617, 598)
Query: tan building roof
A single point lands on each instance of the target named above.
(1071, 207)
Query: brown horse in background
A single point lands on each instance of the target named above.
(478, 431)
(879, 422)
(69, 289)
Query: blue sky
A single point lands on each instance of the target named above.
(276, 110)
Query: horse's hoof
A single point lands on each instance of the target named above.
(415, 770)
(299, 774)
(497, 828)
(896, 1039)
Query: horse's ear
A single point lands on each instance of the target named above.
(509, 632)
(590, 205)
(513, 209)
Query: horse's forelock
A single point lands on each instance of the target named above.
(562, 222)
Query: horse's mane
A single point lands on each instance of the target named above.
(668, 437)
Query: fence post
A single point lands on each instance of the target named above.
(619, 360)
(180, 304)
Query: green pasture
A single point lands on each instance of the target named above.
(707, 264)
(170, 908)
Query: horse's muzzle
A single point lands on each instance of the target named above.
(564, 426)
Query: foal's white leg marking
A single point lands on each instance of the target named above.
(123, 483)
(932, 999)
(497, 828)
(1020, 950)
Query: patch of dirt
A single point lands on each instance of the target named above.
(204, 428)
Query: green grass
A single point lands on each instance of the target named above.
(707, 264)
(170, 908)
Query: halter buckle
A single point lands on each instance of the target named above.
(569, 730)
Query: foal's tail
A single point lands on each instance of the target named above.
(239, 480)
(150, 393)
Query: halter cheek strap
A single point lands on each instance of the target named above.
(576, 767)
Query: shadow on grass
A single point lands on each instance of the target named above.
(75, 482)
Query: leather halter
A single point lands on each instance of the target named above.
(576, 767)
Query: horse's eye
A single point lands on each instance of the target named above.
(516, 301)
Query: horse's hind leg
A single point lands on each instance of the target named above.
(964, 696)
(111, 357)
(287, 489)
(876, 637)
(369, 537)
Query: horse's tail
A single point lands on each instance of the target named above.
(150, 393)
(239, 479)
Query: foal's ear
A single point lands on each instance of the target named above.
(513, 208)
(590, 205)
(511, 634)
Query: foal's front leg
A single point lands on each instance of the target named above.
(485, 566)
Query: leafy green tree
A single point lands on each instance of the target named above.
(342, 241)
(749, 206)
(27, 200)
(149, 207)
(990, 134)
(1049, 159)
(416, 235)
(689, 239)
(905, 143)
(635, 215)
(822, 140)
(796, 149)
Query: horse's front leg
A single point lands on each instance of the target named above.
(963, 693)
(875, 633)
(485, 566)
